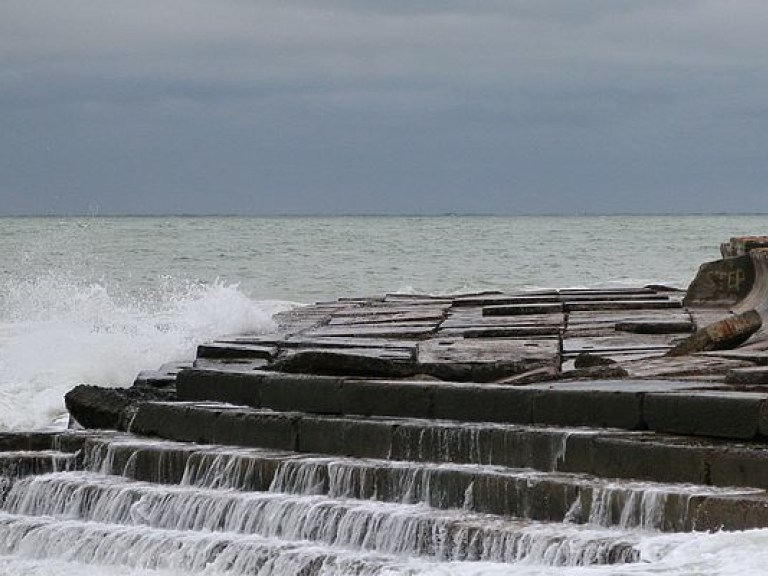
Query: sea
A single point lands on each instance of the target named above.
(94, 300)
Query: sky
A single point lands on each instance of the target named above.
(387, 107)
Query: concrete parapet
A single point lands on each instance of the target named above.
(741, 245)
(721, 283)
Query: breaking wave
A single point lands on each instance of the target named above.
(56, 332)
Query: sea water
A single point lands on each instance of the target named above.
(94, 300)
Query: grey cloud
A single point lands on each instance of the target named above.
(338, 106)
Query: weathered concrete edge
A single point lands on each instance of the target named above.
(688, 408)
(607, 454)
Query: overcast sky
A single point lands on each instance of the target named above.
(383, 106)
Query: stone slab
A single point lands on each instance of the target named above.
(448, 350)
(648, 457)
(523, 309)
(601, 403)
(399, 330)
(232, 350)
(606, 291)
(630, 385)
(396, 309)
(613, 316)
(262, 429)
(569, 406)
(216, 425)
(470, 323)
(536, 321)
(608, 453)
(622, 305)
(736, 512)
(678, 367)
(386, 362)
(506, 299)
(708, 413)
(617, 342)
(154, 379)
(485, 359)
(346, 437)
(231, 364)
(752, 376)
(378, 319)
(756, 357)
(417, 301)
(661, 327)
(601, 297)
(302, 392)
(482, 403)
(387, 353)
(329, 342)
(18, 441)
(758, 343)
(242, 389)
(387, 398)
(498, 332)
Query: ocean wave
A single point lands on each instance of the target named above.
(57, 332)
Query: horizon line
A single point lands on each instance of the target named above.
(378, 215)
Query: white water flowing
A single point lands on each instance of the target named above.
(234, 511)
(56, 333)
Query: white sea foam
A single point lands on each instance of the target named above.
(56, 332)
(689, 554)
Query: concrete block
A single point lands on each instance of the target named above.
(646, 458)
(255, 428)
(731, 465)
(17, 441)
(346, 437)
(242, 388)
(522, 309)
(223, 349)
(708, 413)
(736, 512)
(175, 421)
(302, 392)
(622, 305)
(753, 376)
(568, 404)
(387, 398)
(482, 403)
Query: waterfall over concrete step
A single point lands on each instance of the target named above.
(215, 512)
(161, 505)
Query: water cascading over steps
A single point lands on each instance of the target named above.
(143, 504)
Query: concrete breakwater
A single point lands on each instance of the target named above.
(388, 434)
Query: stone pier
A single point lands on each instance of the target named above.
(619, 408)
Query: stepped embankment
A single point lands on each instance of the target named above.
(372, 435)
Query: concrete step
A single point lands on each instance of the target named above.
(608, 453)
(680, 407)
(339, 523)
(522, 493)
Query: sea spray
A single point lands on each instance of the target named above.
(56, 332)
